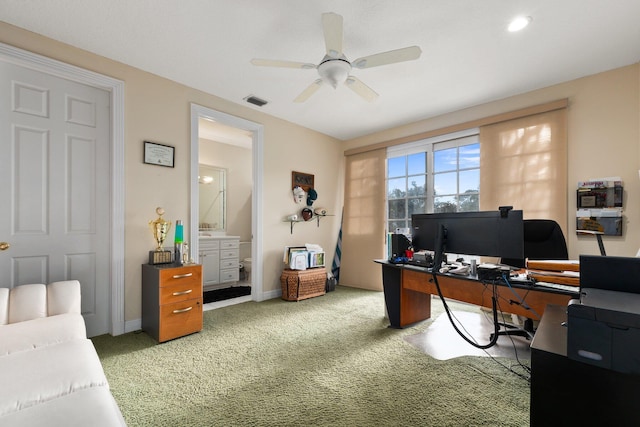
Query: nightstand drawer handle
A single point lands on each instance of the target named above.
(183, 310)
(182, 276)
(175, 294)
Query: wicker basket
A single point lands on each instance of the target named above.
(303, 284)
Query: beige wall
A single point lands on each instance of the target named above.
(158, 110)
(604, 140)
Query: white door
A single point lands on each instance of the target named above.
(54, 170)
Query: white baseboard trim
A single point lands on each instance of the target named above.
(132, 325)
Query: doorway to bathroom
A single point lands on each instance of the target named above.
(226, 166)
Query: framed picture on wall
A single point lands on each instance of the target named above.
(303, 180)
(159, 154)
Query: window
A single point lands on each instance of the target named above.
(434, 175)
(406, 188)
(456, 176)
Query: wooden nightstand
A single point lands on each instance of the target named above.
(171, 300)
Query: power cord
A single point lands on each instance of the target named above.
(526, 368)
(494, 337)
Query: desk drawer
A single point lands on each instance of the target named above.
(180, 318)
(188, 274)
(180, 291)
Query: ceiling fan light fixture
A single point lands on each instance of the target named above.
(334, 71)
(519, 23)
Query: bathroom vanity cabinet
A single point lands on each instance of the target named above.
(219, 256)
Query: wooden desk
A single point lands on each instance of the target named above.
(408, 293)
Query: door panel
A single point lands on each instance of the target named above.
(54, 140)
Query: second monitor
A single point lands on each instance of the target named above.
(487, 233)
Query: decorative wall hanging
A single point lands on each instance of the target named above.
(303, 180)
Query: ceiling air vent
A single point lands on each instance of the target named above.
(255, 100)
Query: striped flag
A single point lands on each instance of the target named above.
(335, 268)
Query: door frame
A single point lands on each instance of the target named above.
(115, 87)
(257, 152)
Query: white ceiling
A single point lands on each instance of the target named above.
(468, 57)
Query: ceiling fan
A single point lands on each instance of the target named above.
(335, 68)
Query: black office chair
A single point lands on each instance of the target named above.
(543, 239)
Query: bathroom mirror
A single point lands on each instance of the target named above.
(212, 189)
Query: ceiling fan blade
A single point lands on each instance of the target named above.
(282, 64)
(332, 28)
(361, 89)
(390, 57)
(310, 90)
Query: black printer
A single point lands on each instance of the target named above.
(604, 329)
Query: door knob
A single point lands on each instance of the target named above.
(4, 246)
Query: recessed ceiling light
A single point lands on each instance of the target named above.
(519, 23)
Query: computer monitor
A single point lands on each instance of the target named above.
(486, 233)
(612, 273)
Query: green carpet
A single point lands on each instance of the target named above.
(325, 361)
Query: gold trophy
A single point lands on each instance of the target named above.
(159, 229)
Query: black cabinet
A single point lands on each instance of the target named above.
(569, 392)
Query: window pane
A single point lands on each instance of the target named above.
(445, 204)
(470, 156)
(470, 180)
(396, 166)
(469, 203)
(396, 224)
(445, 160)
(397, 209)
(445, 183)
(417, 163)
(416, 186)
(397, 188)
(417, 206)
